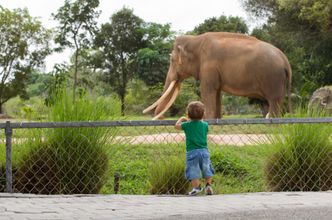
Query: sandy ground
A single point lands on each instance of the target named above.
(225, 139)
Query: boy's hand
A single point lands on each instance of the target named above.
(178, 123)
(182, 119)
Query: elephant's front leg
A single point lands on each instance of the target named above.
(211, 99)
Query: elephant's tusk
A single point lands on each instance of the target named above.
(169, 104)
(166, 93)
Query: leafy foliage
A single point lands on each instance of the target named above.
(23, 46)
(153, 60)
(222, 23)
(77, 21)
(37, 84)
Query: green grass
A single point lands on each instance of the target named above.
(166, 176)
(245, 173)
(135, 162)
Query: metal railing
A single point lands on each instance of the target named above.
(45, 173)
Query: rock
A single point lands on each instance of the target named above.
(321, 99)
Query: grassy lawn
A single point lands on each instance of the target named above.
(241, 169)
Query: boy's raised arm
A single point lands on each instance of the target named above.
(179, 121)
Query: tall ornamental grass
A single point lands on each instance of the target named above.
(69, 160)
(302, 159)
(167, 177)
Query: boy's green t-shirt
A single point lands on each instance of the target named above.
(196, 134)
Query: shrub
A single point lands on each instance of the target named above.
(302, 160)
(167, 177)
(31, 109)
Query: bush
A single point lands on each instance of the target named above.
(167, 177)
(237, 105)
(31, 109)
(302, 160)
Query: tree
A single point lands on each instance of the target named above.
(77, 26)
(23, 47)
(153, 60)
(118, 43)
(223, 23)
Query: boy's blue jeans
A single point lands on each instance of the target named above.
(198, 162)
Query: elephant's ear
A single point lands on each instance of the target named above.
(182, 52)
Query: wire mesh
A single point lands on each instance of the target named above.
(149, 158)
(2, 160)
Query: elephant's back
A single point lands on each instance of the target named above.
(257, 67)
(227, 35)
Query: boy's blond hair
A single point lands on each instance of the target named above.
(196, 110)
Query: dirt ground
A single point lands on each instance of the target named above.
(225, 139)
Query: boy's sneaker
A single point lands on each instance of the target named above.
(208, 190)
(195, 191)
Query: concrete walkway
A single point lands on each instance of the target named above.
(287, 205)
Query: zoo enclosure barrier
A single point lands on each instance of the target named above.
(133, 157)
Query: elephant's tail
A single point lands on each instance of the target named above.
(288, 72)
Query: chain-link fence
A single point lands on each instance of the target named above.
(148, 157)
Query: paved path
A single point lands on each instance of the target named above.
(290, 205)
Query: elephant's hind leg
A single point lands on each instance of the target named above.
(264, 106)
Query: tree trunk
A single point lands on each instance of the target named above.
(75, 75)
(122, 104)
(1, 111)
(124, 83)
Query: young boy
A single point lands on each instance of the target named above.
(197, 156)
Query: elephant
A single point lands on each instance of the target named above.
(234, 63)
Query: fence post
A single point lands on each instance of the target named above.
(9, 171)
(116, 182)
